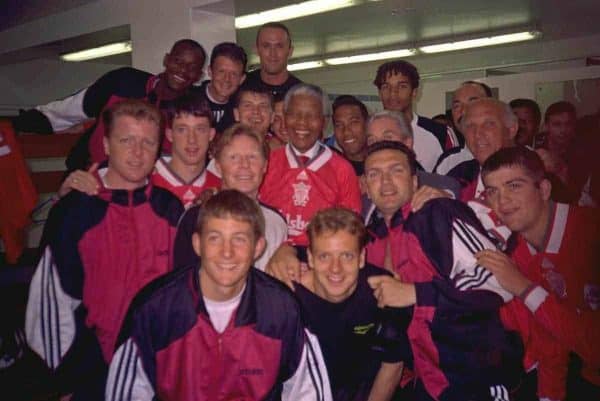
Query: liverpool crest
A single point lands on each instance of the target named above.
(301, 191)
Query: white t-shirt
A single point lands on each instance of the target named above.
(220, 312)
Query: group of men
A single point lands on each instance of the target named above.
(389, 262)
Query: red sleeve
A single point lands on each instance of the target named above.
(349, 187)
(575, 329)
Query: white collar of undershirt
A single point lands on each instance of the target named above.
(310, 153)
(102, 174)
(220, 312)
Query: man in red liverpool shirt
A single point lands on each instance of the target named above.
(556, 248)
(305, 175)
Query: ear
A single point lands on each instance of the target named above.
(236, 115)
(264, 170)
(211, 134)
(362, 258)
(196, 243)
(410, 142)
(311, 260)
(290, 52)
(512, 132)
(169, 134)
(105, 145)
(546, 189)
(259, 248)
(166, 60)
(415, 180)
(414, 93)
(363, 184)
(272, 117)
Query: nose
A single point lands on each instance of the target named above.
(302, 120)
(386, 177)
(137, 148)
(503, 197)
(336, 266)
(227, 249)
(244, 162)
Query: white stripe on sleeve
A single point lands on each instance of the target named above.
(310, 381)
(466, 273)
(66, 112)
(49, 320)
(127, 379)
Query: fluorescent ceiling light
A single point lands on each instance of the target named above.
(307, 65)
(361, 58)
(292, 11)
(97, 52)
(480, 42)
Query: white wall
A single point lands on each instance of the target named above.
(443, 72)
(41, 81)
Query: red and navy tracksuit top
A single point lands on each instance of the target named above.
(97, 253)
(461, 350)
(169, 349)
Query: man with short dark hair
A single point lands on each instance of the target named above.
(398, 83)
(364, 347)
(431, 253)
(98, 251)
(274, 48)
(560, 120)
(529, 115)
(227, 71)
(349, 130)
(556, 249)
(254, 107)
(183, 67)
(220, 330)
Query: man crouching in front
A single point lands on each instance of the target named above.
(224, 331)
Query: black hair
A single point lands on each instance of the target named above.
(397, 67)
(349, 100)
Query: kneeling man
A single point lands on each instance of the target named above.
(363, 346)
(223, 331)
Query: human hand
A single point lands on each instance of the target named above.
(504, 269)
(284, 265)
(83, 181)
(424, 194)
(390, 291)
(205, 195)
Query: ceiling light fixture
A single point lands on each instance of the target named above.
(480, 42)
(307, 65)
(400, 53)
(97, 52)
(362, 58)
(292, 11)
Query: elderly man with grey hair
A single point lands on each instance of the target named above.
(392, 126)
(488, 126)
(466, 93)
(306, 176)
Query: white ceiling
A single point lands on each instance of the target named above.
(370, 25)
